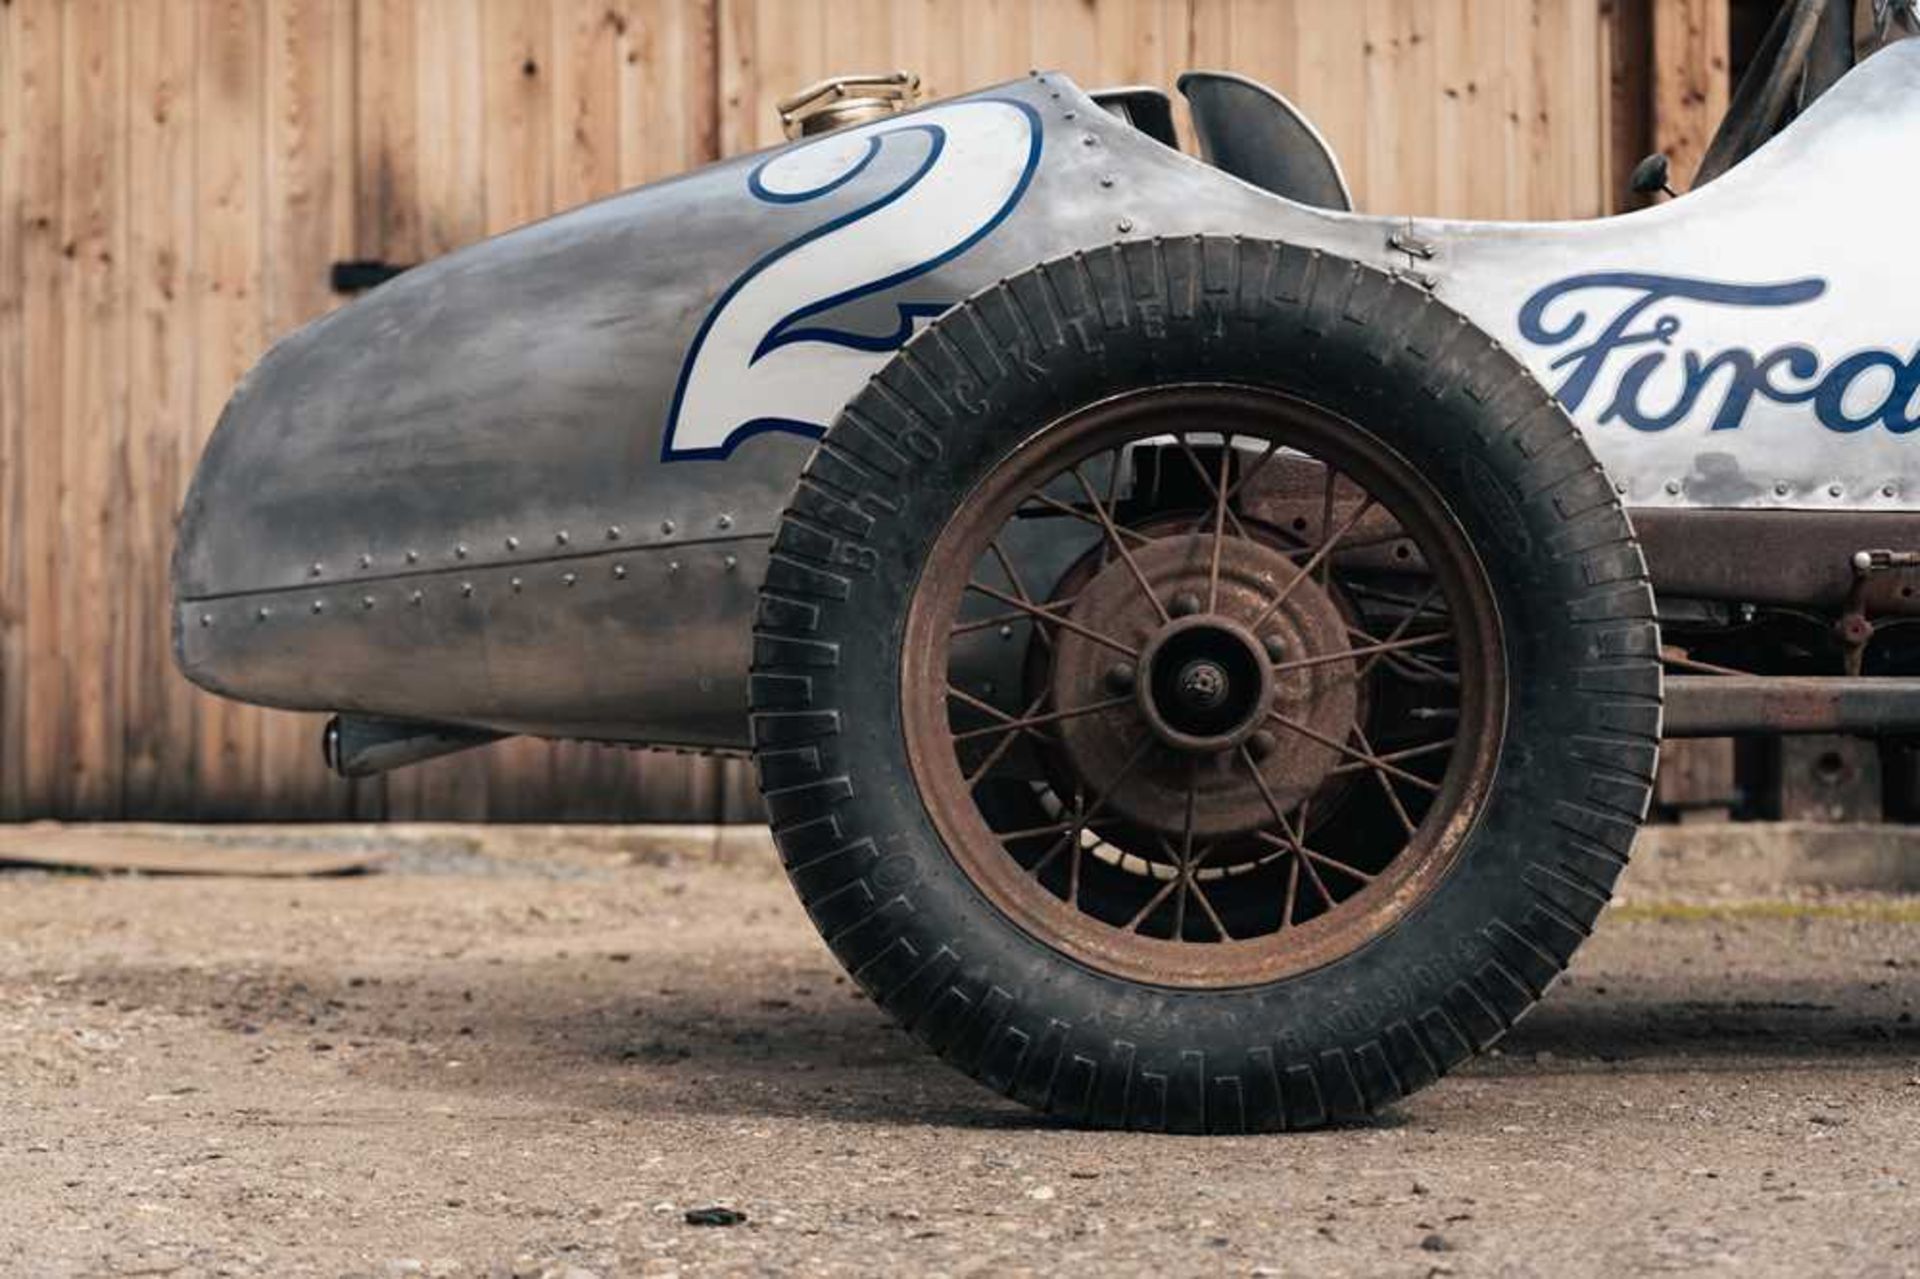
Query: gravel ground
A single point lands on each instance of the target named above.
(477, 1064)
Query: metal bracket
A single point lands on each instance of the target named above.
(1417, 251)
(1412, 245)
(1853, 629)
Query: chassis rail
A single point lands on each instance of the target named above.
(1728, 705)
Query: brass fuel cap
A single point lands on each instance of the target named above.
(838, 101)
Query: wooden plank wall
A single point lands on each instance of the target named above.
(176, 176)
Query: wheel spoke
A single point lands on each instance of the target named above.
(1302, 863)
(1324, 550)
(1120, 545)
(1424, 667)
(1401, 628)
(1032, 832)
(1004, 619)
(1421, 604)
(1397, 757)
(1085, 818)
(1005, 744)
(1363, 756)
(1050, 717)
(1312, 857)
(1386, 783)
(1219, 527)
(1273, 446)
(1326, 517)
(1196, 889)
(1133, 925)
(1047, 614)
(1384, 646)
(1079, 852)
(1216, 492)
(1013, 579)
(1074, 512)
(1186, 848)
(967, 699)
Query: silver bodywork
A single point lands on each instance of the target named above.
(529, 486)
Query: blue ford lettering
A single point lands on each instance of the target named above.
(1642, 330)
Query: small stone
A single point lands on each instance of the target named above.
(714, 1216)
(1436, 1243)
(1042, 1193)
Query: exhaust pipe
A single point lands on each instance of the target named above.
(363, 745)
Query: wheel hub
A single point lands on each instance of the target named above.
(1213, 668)
(1208, 684)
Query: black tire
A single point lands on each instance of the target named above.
(1576, 759)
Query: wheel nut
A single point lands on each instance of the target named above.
(1185, 604)
(1120, 677)
(1276, 647)
(1261, 744)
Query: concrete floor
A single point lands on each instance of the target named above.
(510, 1055)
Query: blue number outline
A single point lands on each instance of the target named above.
(784, 333)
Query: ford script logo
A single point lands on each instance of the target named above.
(1634, 340)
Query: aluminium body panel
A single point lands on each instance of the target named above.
(528, 486)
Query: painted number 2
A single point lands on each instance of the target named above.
(772, 355)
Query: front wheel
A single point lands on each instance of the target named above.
(1205, 685)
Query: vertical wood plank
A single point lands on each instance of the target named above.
(669, 87)
(517, 79)
(14, 512)
(999, 39)
(941, 56)
(309, 213)
(40, 59)
(1333, 87)
(1629, 86)
(1470, 40)
(229, 158)
(1690, 89)
(518, 38)
(586, 100)
(159, 777)
(855, 35)
(445, 170)
(1141, 41)
(386, 102)
(1401, 161)
(450, 124)
(1590, 153)
(93, 443)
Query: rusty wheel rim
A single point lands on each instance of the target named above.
(1197, 794)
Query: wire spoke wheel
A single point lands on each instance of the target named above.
(1203, 686)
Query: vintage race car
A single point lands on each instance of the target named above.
(1200, 666)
